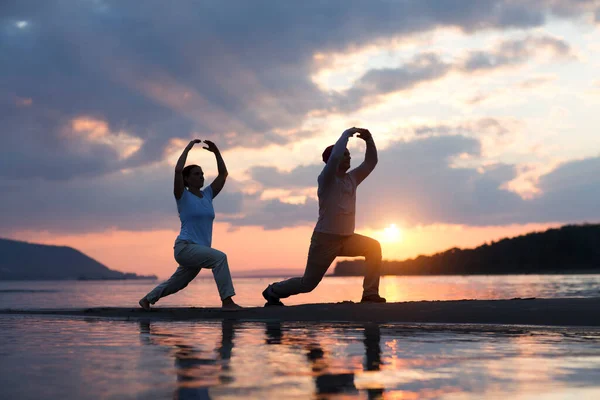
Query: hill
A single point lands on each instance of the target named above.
(28, 261)
(569, 249)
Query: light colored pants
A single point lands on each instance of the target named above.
(324, 248)
(192, 258)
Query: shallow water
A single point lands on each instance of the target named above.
(202, 292)
(90, 359)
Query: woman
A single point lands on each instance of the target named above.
(192, 246)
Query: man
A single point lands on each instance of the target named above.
(334, 233)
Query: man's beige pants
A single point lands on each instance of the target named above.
(324, 248)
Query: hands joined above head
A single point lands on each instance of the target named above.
(210, 146)
(363, 133)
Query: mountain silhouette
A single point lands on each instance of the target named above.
(28, 261)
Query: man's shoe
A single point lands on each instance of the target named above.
(270, 297)
(373, 298)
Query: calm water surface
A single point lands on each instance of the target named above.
(62, 358)
(202, 292)
(55, 358)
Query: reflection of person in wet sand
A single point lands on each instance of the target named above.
(191, 364)
(334, 235)
(326, 382)
(193, 249)
(373, 362)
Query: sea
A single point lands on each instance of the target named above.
(53, 357)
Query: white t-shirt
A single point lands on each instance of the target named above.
(197, 216)
(337, 205)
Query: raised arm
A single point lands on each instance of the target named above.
(337, 154)
(219, 181)
(368, 165)
(178, 186)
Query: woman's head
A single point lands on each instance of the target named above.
(193, 176)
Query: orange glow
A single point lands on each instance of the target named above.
(151, 252)
(94, 128)
(392, 234)
(98, 131)
(251, 248)
(23, 102)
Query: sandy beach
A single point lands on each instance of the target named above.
(565, 312)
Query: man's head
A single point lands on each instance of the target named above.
(344, 163)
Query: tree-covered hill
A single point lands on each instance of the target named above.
(569, 249)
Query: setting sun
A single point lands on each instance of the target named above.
(392, 234)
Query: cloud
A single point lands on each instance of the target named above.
(415, 183)
(423, 68)
(235, 71)
(137, 200)
(571, 192)
(515, 52)
(301, 176)
(480, 127)
(95, 92)
(536, 82)
(429, 67)
(275, 214)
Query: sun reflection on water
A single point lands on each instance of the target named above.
(145, 359)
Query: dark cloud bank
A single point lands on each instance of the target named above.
(239, 72)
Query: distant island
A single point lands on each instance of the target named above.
(29, 261)
(566, 250)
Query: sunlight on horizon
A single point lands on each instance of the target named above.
(391, 234)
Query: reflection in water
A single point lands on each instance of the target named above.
(326, 381)
(373, 355)
(334, 361)
(75, 359)
(196, 370)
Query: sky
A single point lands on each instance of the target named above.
(485, 115)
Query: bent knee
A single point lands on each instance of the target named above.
(308, 285)
(374, 248)
(218, 255)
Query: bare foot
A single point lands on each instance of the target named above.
(145, 304)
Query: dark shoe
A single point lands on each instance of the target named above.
(144, 303)
(270, 297)
(373, 298)
(231, 306)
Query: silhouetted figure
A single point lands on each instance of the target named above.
(372, 343)
(192, 248)
(273, 332)
(372, 347)
(228, 332)
(189, 360)
(334, 232)
(325, 381)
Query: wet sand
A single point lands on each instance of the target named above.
(566, 312)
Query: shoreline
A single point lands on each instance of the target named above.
(575, 272)
(549, 312)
